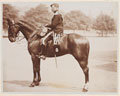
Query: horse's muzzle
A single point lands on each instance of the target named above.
(12, 39)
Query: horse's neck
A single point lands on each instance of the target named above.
(26, 33)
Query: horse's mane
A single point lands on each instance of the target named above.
(31, 25)
(27, 25)
(32, 29)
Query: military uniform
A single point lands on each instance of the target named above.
(56, 24)
(56, 27)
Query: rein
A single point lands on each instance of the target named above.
(18, 40)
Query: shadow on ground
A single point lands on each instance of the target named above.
(17, 82)
(26, 83)
(108, 67)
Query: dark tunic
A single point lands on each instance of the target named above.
(56, 24)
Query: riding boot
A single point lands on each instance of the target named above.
(43, 55)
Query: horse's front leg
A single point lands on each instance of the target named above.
(36, 71)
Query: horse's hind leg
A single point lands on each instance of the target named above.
(83, 64)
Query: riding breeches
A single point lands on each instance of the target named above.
(47, 38)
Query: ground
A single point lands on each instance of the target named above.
(68, 76)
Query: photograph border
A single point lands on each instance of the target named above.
(59, 93)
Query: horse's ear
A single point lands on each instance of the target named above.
(9, 21)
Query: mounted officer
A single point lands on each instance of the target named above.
(56, 29)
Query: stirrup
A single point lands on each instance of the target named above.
(43, 57)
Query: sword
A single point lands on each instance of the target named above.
(55, 60)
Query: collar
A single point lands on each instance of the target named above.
(56, 13)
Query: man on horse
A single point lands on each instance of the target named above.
(56, 29)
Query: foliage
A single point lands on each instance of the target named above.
(9, 12)
(104, 23)
(38, 15)
(73, 20)
(76, 20)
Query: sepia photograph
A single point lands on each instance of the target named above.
(60, 47)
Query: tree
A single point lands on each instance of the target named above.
(9, 12)
(76, 20)
(104, 23)
(38, 15)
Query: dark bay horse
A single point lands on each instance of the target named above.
(74, 44)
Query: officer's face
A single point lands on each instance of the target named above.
(54, 9)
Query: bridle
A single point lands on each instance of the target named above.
(19, 39)
(17, 36)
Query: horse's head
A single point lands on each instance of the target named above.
(13, 30)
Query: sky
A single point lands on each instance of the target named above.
(92, 9)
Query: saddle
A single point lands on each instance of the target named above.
(44, 32)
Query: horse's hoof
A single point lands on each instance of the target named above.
(84, 90)
(36, 84)
(31, 85)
